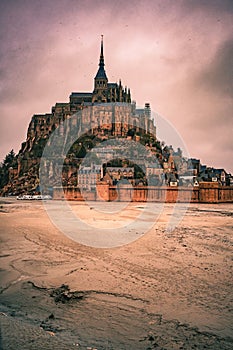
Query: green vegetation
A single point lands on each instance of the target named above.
(10, 161)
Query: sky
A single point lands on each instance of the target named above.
(176, 55)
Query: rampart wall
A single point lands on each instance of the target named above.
(206, 192)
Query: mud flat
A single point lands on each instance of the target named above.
(166, 290)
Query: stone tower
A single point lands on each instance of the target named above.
(101, 81)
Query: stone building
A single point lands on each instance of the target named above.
(107, 109)
(88, 176)
(119, 173)
(109, 113)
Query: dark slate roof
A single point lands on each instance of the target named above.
(62, 104)
(112, 85)
(218, 171)
(81, 94)
(101, 73)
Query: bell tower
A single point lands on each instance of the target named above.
(101, 80)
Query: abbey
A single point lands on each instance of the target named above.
(116, 116)
(84, 122)
(103, 90)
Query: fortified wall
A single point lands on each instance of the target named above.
(206, 192)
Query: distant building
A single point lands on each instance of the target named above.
(153, 169)
(100, 118)
(187, 180)
(194, 165)
(88, 176)
(210, 174)
(118, 173)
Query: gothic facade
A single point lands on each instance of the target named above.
(107, 109)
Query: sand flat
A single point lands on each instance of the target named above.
(166, 290)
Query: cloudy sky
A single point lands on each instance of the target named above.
(177, 55)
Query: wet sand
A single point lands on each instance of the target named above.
(166, 290)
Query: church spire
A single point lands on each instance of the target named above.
(101, 64)
(101, 72)
(100, 93)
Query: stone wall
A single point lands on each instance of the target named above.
(73, 193)
(225, 194)
(205, 193)
(154, 194)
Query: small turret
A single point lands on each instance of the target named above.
(147, 110)
(129, 96)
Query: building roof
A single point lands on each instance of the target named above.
(101, 74)
(112, 85)
(62, 104)
(81, 94)
(120, 169)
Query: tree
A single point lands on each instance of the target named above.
(9, 161)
